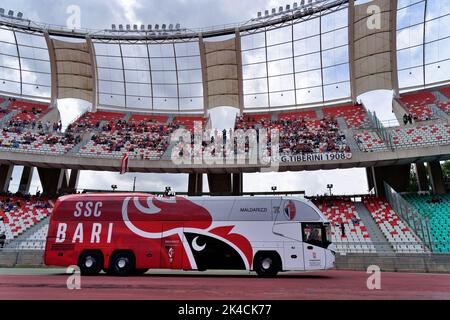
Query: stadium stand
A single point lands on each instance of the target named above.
(417, 105)
(354, 115)
(402, 239)
(19, 214)
(437, 210)
(421, 136)
(370, 141)
(95, 121)
(444, 106)
(38, 143)
(342, 212)
(36, 239)
(188, 122)
(301, 135)
(299, 115)
(445, 92)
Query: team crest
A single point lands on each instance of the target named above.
(289, 210)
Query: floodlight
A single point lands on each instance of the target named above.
(178, 26)
(142, 27)
(149, 27)
(266, 13)
(135, 27)
(156, 26)
(280, 9)
(288, 7)
(163, 27)
(113, 27)
(2, 11)
(295, 5)
(128, 27)
(259, 14)
(170, 27)
(19, 15)
(120, 27)
(11, 13)
(274, 11)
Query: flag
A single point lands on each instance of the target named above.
(124, 164)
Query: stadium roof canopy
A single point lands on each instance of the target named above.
(321, 53)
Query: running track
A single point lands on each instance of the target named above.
(39, 284)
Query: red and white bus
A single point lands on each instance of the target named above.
(125, 234)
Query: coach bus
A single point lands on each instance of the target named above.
(128, 234)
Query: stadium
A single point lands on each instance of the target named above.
(295, 78)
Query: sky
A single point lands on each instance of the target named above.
(101, 14)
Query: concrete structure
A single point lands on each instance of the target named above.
(25, 180)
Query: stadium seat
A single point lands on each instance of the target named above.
(417, 105)
(438, 215)
(342, 211)
(397, 233)
(421, 136)
(355, 116)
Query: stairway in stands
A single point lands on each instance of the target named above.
(379, 240)
(85, 140)
(21, 241)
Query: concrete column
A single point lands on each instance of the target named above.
(195, 187)
(220, 184)
(436, 177)
(73, 180)
(25, 180)
(398, 177)
(238, 184)
(53, 180)
(5, 177)
(422, 179)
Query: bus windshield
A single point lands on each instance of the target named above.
(317, 234)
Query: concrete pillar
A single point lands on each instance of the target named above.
(398, 177)
(25, 180)
(73, 180)
(5, 177)
(220, 184)
(436, 177)
(238, 184)
(422, 179)
(53, 180)
(370, 178)
(195, 187)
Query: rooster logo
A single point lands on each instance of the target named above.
(204, 245)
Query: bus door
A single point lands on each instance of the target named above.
(171, 248)
(292, 243)
(314, 244)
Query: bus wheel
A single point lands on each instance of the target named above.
(266, 265)
(90, 263)
(122, 264)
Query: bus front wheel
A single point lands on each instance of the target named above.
(122, 264)
(90, 263)
(267, 264)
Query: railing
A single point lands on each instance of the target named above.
(381, 130)
(420, 225)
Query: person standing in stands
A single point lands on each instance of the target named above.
(343, 229)
(2, 240)
(405, 119)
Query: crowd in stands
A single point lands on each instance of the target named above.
(300, 136)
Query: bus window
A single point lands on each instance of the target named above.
(313, 234)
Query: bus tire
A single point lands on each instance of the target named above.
(122, 264)
(90, 263)
(267, 264)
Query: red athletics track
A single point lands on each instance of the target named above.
(320, 285)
